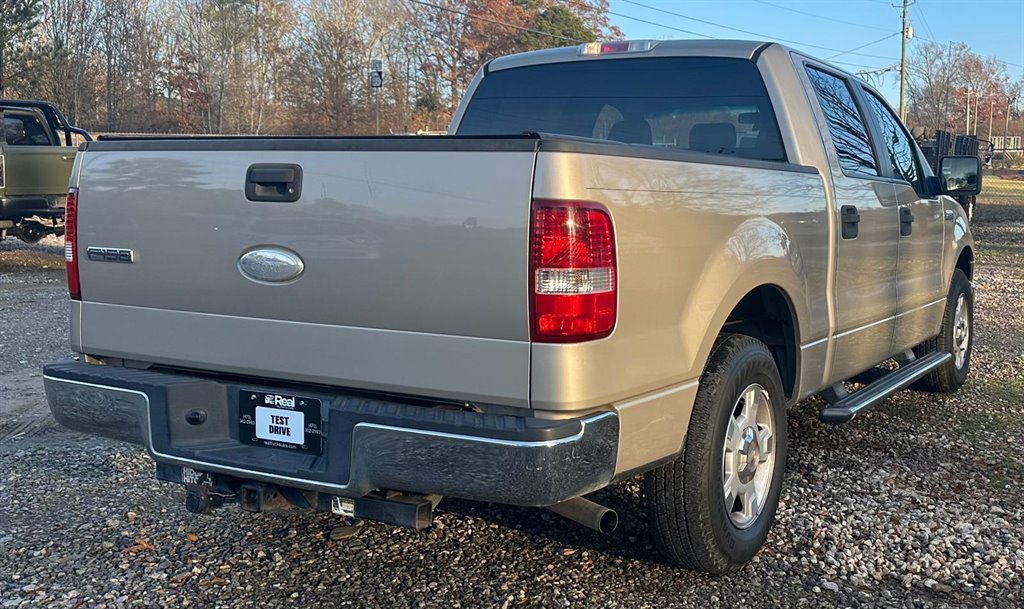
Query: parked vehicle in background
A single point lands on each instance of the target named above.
(37, 151)
(630, 257)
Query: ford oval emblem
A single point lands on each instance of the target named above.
(270, 264)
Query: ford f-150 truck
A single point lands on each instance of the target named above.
(627, 257)
(36, 156)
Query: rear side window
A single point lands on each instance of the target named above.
(896, 142)
(25, 130)
(845, 123)
(712, 105)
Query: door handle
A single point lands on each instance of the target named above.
(850, 219)
(906, 221)
(273, 182)
(949, 214)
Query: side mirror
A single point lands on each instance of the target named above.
(960, 175)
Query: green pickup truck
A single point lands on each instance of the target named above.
(37, 150)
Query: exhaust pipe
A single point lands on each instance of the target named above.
(587, 513)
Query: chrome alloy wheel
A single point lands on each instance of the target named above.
(748, 456)
(961, 331)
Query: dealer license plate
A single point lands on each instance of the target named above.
(280, 421)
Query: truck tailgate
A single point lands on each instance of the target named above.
(414, 261)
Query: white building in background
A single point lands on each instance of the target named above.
(1013, 142)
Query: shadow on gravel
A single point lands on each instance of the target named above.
(629, 541)
(23, 409)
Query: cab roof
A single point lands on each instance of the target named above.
(739, 49)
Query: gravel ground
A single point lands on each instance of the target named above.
(917, 503)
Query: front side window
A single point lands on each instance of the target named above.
(896, 142)
(704, 104)
(845, 123)
(25, 130)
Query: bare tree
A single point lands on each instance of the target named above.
(69, 45)
(943, 80)
(275, 66)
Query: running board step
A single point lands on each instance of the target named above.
(845, 409)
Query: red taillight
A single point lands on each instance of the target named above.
(572, 272)
(70, 230)
(617, 46)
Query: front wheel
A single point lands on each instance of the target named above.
(956, 337)
(710, 510)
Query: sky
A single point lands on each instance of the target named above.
(827, 28)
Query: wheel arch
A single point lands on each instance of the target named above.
(765, 310)
(965, 262)
(766, 313)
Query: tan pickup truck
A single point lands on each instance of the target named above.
(628, 257)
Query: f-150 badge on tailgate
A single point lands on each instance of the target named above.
(110, 254)
(271, 264)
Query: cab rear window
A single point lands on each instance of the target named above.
(24, 130)
(703, 104)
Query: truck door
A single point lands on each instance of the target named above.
(866, 224)
(34, 164)
(919, 286)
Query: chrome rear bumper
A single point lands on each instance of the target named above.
(369, 443)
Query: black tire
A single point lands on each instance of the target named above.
(949, 377)
(689, 520)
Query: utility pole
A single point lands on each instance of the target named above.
(967, 129)
(903, 63)
(947, 115)
(1006, 132)
(991, 109)
(376, 82)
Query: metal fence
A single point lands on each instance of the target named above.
(1002, 196)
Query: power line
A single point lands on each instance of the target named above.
(934, 40)
(638, 19)
(877, 72)
(858, 65)
(924, 20)
(851, 51)
(1009, 63)
(798, 11)
(494, 21)
(661, 25)
(757, 34)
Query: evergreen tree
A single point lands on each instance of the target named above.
(18, 18)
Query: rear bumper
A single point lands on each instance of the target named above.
(47, 206)
(368, 444)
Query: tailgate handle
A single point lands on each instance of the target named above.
(273, 182)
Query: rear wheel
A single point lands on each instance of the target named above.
(955, 337)
(710, 509)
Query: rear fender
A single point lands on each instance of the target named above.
(758, 253)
